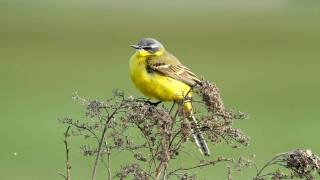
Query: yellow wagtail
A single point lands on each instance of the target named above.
(160, 75)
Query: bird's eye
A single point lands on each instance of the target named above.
(147, 48)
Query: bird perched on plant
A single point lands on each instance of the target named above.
(160, 75)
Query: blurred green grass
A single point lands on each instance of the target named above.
(263, 55)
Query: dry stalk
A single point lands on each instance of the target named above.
(161, 137)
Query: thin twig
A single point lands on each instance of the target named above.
(174, 137)
(94, 172)
(180, 105)
(272, 161)
(165, 172)
(149, 145)
(156, 153)
(158, 170)
(67, 149)
(212, 162)
(176, 114)
(174, 103)
(84, 128)
(99, 152)
(109, 163)
(229, 173)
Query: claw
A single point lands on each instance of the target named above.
(153, 103)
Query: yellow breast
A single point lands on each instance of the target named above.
(153, 84)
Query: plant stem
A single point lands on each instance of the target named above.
(267, 164)
(158, 171)
(94, 172)
(68, 165)
(109, 164)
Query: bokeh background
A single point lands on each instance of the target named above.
(264, 55)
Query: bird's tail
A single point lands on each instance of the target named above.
(197, 135)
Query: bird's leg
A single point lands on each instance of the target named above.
(153, 103)
(174, 103)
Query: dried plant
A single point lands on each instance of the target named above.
(155, 135)
(67, 149)
(302, 164)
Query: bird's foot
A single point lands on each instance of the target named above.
(153, 103)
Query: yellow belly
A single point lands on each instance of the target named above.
(155, 85)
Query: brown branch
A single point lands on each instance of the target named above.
(158, 170)
(180, 106)
(269, 163)
(84, 128)
(207, 163)
(149, 146)
(156, 153)
(94, 171)
(229, 173)
(67, 149)
(174, 103)
(174, 137)
(162, 134)
(174, 118)
(165, 172)
(109, 164)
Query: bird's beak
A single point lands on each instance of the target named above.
(136, 46)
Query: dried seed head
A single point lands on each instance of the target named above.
(187, 176)
(94, 108)
(217, 129)
(213, 101)
(211, 97)
(88, 151)
(134, 170)
(185, 129)
(159, 132)
(139, 156)
(303, 163)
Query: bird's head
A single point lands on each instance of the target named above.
(149, 47)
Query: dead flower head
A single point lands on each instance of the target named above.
(134, 170)
(303, 163)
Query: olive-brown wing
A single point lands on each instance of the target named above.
(172, 68)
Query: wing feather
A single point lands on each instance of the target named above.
(169, 65)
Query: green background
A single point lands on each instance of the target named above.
(264, 56)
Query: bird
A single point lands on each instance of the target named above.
(159, 75)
